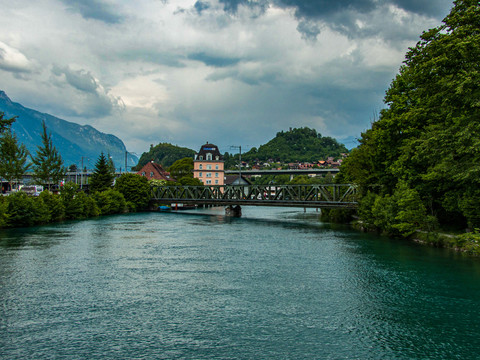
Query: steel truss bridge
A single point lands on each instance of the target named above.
(311, 196)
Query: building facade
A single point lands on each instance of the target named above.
(153, 171)
(208, 165)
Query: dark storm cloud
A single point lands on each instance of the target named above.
(434, 8)
(201, 5)
(232, 5)
(79, 79)
(95, 9)
(342, 15)
(214, 61)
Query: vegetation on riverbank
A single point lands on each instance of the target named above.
(418, 165)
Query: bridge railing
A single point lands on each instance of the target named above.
(315, 195)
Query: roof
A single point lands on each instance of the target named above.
(209, 149)
(158, 172)
(235, 180)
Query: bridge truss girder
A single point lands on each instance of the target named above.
(314, 196)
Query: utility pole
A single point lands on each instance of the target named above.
(239, 159)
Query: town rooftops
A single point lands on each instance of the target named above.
(209, 152)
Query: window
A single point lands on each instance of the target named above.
(216, 182)
(209, 156)
(200, 174)
(209, 167)
(151, 173)
(143, 173)
(216, 157)
(200, 157)
(216, 174)
(209, 182)
(216, 167)
(209, 174)
(200, 166)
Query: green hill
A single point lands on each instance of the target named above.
(165, 154)
(303, 144)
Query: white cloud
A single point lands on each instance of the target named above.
(150, 71)
(13, 60)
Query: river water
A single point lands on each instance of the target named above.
(274, 284)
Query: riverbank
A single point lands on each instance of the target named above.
(468, 243)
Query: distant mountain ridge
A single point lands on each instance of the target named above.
(73, 141)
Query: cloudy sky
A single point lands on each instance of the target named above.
(231, 72)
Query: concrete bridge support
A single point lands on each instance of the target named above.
(235, 211)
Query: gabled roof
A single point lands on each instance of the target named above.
(158, 171)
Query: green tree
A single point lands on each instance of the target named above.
(135, 189)
(54, 205)
(5, 124)
(47, 163)
(13, 157)
(110, 202)
(165, 154)
(102, 176)
(182, 168)
(429, 135)
(23, 210)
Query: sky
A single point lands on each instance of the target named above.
(230, 72)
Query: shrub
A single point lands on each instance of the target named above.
(135, 189)
(54, 205)
(110, 202)
(23, 210)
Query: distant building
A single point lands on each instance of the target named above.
(153, 171)
(208, 165)
(236, 180)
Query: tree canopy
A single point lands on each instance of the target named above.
(102, 176)
(165, 154)
(47, 162)
(428, 137)
(301, 144)
(182, 168)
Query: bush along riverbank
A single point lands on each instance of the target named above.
(417, 167)
(423, 232)
(131, 193)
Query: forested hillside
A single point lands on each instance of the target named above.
(165, 154)
(420, 162)
(303, 144)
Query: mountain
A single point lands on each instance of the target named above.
(350, 142)
(74, 142)
(165, 154)
(303, 144)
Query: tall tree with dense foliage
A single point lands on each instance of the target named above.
(428, 137)
(47, 163)
(5, 124)
(102, 176)
(182, 168)
(135, 189)
(13, 157)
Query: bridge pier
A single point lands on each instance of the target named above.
(235, 211)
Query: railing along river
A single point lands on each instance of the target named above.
(315, 195)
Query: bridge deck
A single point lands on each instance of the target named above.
(316, 196)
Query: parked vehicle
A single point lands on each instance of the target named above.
(33, 190)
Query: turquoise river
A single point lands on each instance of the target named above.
(274, 284)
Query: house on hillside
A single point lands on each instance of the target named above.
(208, 165)
(153, 171)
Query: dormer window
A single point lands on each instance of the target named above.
(200, 157)
(217, 157)
(209, 156)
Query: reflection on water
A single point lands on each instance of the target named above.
(275, 283)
